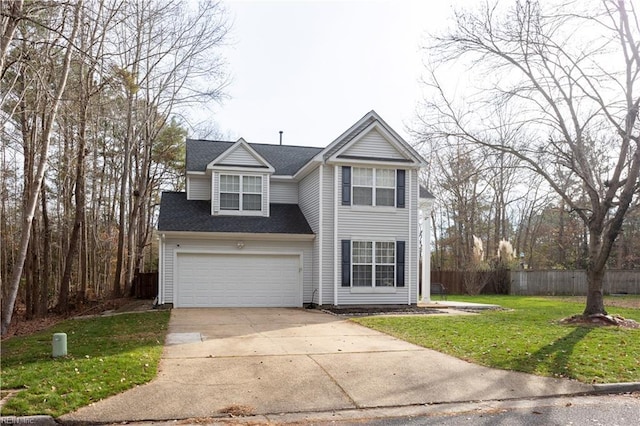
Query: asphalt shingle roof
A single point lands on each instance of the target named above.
(179, 214)
(286, 159)
(424, 193)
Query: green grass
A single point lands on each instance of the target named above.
(527, 338)
(106, 355)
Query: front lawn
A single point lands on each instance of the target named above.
(527, 338)
(106, 355)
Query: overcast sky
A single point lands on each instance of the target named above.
(313, 68)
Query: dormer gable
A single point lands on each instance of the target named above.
(240, 156)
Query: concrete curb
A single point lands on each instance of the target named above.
(616, 387)
(28, 420)
(370, 412)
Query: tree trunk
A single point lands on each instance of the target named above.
(8, 304)
(74, 242)
(43, 299)
(595, 302)
(11, 16)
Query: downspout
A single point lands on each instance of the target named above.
(321, 236)
(161, 251)
(335, 235)
(409, 241)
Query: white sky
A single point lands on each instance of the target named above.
(313, 68)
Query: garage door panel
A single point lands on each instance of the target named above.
(229, 280)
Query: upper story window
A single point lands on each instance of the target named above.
(374, 187)
(240, 193)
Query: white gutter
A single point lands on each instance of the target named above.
(241, 236)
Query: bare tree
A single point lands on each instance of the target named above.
(572, 77)
(33, 195)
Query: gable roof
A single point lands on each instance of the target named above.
(241, 154)
(179, 214)
(370, 121)
(285, 159)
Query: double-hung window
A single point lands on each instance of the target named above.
(240, 193)
(373, 264)
(252, 193)
(374, 187)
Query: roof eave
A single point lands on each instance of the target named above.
(238, 235)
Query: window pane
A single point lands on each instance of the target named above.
(385, 276)
(362, 252)
(386, 177)
(385, 197)
(362, 196)
(362, 276)
(385, 252)
(229, 201)
(362, 177)
(229, 183)
(251, 202)
(252, 184)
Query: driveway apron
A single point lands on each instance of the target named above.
(277, 360)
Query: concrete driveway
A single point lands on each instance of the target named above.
(265, 361)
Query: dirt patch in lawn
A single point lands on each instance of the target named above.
(600, 320)
(21, 326)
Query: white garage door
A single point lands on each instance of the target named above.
(230, 280)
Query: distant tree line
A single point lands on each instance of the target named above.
(479, 194)
(90, 97)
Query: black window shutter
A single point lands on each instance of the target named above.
(399, 263)
(346, 263)
(346, 185)
(400, 188)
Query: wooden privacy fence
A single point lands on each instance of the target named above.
(145, 285)
(572, 283)
(463, 282)
(535, 282)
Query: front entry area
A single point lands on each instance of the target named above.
(233, 280)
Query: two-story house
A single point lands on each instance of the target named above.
(280, 225)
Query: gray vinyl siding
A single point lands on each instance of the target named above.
(199, 187)
(284, 192)
(328, 249)
(240, 157)
(308, 198)
(373, 144)
(230, 246)
(382, 224)
(309, 201)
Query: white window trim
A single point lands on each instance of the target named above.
(374, 187)
(241, 210)
(373, 265)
